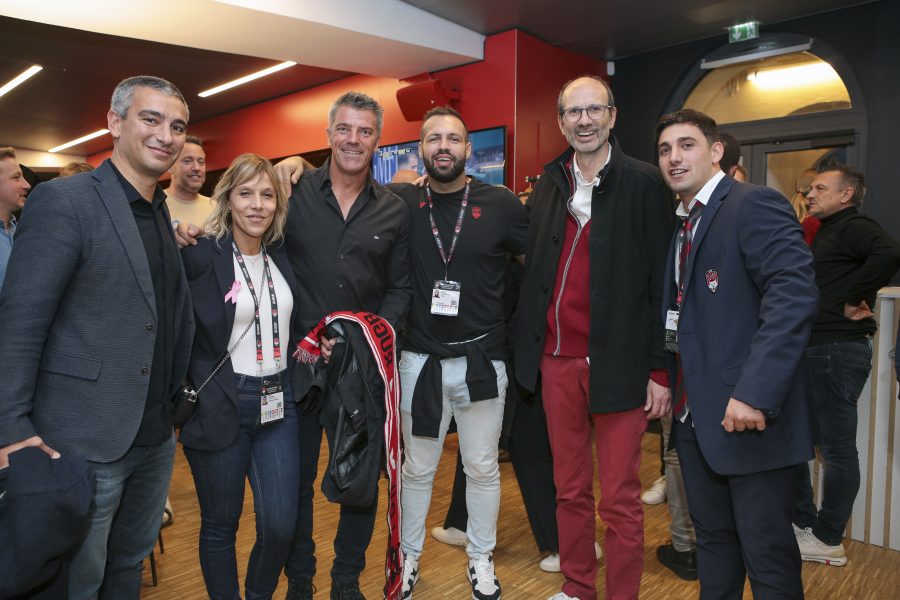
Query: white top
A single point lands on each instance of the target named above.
(584, 190)
(243, 358)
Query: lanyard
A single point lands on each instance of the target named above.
(685, 240)
(273, 301)
(434, 230)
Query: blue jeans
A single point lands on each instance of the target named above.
(837, 373)
(128, 504)
(479, 424)
(267, 455)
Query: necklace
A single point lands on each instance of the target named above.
(253, 260)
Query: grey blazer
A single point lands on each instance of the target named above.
(78, 320)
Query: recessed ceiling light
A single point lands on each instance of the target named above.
(83, 138)
(246, 78)
(20, 78)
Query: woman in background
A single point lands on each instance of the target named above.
(801, 206)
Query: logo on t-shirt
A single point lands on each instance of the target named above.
(476, 212)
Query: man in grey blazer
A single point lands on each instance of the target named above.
(97, 329)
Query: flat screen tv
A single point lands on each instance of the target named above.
(487, 163)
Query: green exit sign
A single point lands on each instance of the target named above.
(743, 32)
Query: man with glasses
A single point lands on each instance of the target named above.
(589, 324)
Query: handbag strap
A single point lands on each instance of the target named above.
(234, 346)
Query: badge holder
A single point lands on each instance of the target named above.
(445, 298)
(271, 395)
(671, 343)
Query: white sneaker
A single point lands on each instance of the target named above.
(562, 596)
(813, 549)
(656, 493)
(550, 563)
(451, 536)
(485, 585)
(410, 576)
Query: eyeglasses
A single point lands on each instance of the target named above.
(594, 111)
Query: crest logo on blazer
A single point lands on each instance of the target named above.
(712, 280)
(421, 204)
(476, 212)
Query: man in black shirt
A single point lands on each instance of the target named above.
(347, 239)
(348, 242)
(853, 257)
(97, 333)
(462, 235)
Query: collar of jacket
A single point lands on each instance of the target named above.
(560, 168)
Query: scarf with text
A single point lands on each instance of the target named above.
(380, 336)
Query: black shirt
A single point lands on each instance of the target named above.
(153, 223)
(854, 258)
(361, 263)
(494, 228)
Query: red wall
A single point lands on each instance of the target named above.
(541, 70)
(515, 86)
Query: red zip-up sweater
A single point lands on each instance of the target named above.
(569, 313)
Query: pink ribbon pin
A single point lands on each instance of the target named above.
(233, 292)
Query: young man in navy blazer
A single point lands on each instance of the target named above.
(738, 302)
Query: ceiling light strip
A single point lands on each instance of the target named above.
(21, 78)
(83, 138)
(247, 78)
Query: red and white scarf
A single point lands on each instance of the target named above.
(380, 336)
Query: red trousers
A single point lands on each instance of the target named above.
(565, 386)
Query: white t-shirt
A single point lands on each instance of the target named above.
(243, 358)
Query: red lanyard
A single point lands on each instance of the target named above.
(686, 238)
(273, 300)
(434, 230)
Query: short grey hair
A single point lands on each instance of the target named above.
(358, 101)
(123, 95)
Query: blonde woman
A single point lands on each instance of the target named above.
(245, 425)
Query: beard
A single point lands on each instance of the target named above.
(445, 175)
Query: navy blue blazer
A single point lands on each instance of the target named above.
(749, 301)
(210, 272)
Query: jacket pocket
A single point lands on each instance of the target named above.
(71, 365)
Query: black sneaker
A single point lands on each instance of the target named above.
(300, 588)
(683, 564)
(485, 585)
(346, 591)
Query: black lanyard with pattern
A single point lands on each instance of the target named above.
(273, 300)
(434, 230)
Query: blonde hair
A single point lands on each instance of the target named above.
(798, 201)
(244, 168)
(74, 168)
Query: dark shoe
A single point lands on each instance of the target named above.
(346, 591)
(683, 564)
(300, 588)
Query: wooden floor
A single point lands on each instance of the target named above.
(872, 573)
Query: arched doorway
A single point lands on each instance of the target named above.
(788, 109)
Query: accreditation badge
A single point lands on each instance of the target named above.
(271, 400)
(671, 342)
(445, 298)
